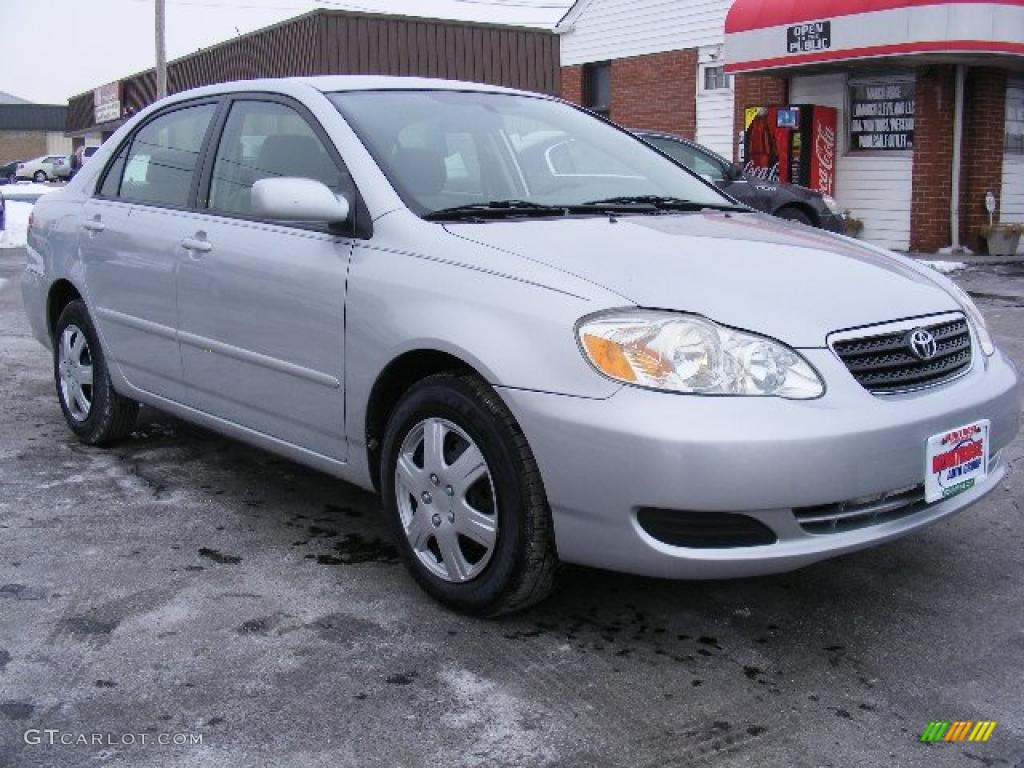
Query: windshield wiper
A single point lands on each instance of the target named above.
(663, 203)
(496, 209)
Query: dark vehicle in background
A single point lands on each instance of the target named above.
(787, 201)
(8, 173)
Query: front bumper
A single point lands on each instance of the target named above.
(602, 460)
(832, 222)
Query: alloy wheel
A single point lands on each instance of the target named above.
(446, 500)
(74, 361)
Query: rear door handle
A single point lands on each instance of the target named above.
(197, 246)
(94, 225)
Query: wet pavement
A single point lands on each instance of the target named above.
(181, 585)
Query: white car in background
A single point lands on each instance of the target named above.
(45, 168)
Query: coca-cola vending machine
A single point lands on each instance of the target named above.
(794, 143)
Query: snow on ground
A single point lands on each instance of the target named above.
(27, 189)
(960, 250)
(16, 224)
(945, 267)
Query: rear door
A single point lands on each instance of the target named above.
(262, 303)
(129, 250)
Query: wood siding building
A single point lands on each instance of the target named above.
(326, 42)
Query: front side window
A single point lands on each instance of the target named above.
(881, 114)
(597, 87)
(161, 160)
(1015, 118)
(442, 149)
(265, 139)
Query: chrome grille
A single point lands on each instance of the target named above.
(886, 362)
(871, 510)
(857, 513)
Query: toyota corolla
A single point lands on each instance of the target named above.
(538, 338)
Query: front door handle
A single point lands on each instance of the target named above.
(94, 225)
(196, 246)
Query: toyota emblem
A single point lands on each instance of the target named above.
(922, 343)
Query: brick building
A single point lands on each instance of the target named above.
(30, 130)
(928, 97)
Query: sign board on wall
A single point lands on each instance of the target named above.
(806, 38)
(882, 115)
(106, 102)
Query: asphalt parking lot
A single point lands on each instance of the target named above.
(186, 585)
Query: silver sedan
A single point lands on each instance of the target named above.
(536, 337)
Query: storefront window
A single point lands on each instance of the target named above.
(1015, 118)
(881, 115)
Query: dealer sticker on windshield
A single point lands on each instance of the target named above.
(956, 461)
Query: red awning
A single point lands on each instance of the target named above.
(771, 34)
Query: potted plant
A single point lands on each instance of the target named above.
(1002, 239)
(852, 226)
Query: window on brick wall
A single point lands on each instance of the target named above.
(597, 87)
(881, 114)
(1015, 118)
(715, 78)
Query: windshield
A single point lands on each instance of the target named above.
(444, 150)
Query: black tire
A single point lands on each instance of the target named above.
(39, 176)
(111, 417)
(521, 569)
(791, 213)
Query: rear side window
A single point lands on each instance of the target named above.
(161, 160)
(264, 139)
(693, 159)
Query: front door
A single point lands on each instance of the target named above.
(262, 304)
(131, 259)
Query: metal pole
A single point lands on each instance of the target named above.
(161, 50)
(958, 137)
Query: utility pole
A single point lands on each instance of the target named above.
(161, 50)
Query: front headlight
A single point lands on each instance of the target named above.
(977, 319)
(831, 204)
(686, 353)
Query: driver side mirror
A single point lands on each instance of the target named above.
(294, 199)
(734, 172)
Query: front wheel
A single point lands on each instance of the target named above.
(93, 410)
(39, 176)
(465, 499)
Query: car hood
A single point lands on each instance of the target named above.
(749, 271)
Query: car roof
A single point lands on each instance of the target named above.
(336, 83)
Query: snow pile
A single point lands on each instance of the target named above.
(945, 267)
(15, 229)
(26, 189)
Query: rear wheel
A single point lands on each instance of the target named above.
(464, 496)
(93, 410)
(795, 214)
(39, 176)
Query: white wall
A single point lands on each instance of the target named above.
(614, 29)
(876, 188)
(714, 108)
(1012, 197)
(57, 143)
